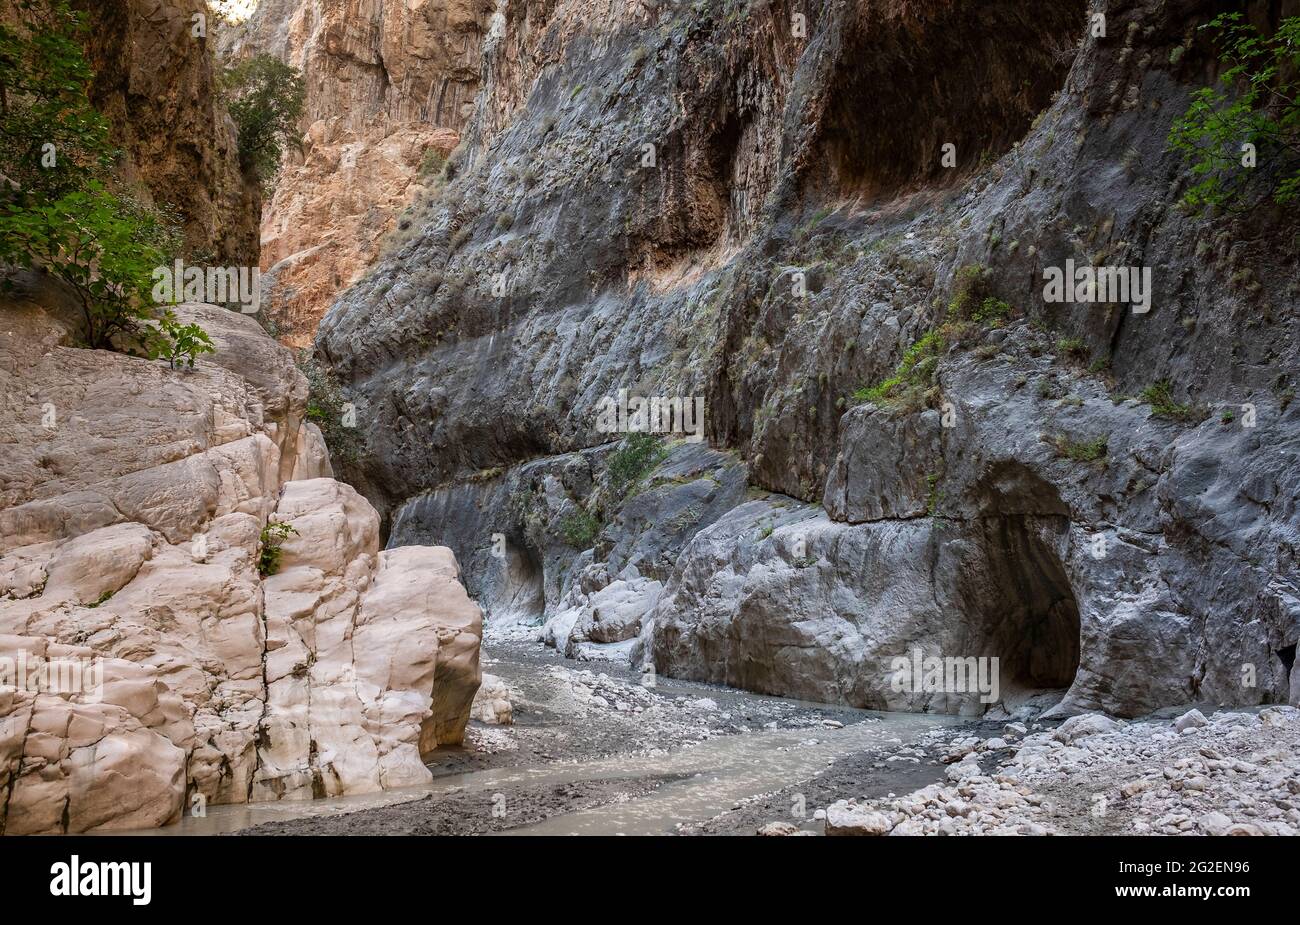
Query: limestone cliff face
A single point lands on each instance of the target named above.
(389, 86)
(749, 203)
(133, 545)
(155, 83)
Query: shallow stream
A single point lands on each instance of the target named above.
(556, 741)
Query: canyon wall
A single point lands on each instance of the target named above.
(754, 204)
(388, 89)
(192, 609)
(155, 82)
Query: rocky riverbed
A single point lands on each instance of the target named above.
(590, 735)
(1232, 773)
(594, 750)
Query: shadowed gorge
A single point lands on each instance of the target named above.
(826, 417)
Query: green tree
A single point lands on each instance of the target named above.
(183, 343)
(52, 141)
(104, 248)
(269, 552)
(632, 461)
(1256, 104)
(60, 209)
(265, 98)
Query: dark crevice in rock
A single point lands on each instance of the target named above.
(523, 594)
(1026, 610)
(986, 70)
(1020, 605)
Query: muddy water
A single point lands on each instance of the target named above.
(703, 780)
(725, 771)
(767, 744)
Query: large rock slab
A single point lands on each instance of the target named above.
(1078, 574)
(108, 752)
(132, 536)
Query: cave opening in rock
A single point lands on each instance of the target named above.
(914, 79)
(1025, 611)
(711, 188)
(521, 595)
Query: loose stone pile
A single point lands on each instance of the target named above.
(1231, 774)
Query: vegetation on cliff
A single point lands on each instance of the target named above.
(1245, 130)
(61, 207)
(330, 411)
(265, 98)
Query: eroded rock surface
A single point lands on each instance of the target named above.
(492, 704)
(131, 530)
(794, 234)
(389, 87)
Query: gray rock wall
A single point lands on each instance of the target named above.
(796, 234)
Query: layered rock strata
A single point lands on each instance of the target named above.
(134, 544)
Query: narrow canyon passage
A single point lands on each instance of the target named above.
(556, 417)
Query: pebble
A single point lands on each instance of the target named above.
(1237, 775)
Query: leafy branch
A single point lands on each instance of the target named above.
(1252, 117)
(61, 208)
